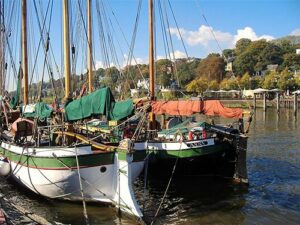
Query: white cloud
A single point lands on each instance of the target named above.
(134, 61)
(179, 55)
(204, 36)
(249, 33)
(296, 32)
(99, 64)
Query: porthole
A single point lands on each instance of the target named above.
(103, 169)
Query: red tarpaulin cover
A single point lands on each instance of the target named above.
(187, 108)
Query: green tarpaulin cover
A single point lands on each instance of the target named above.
(100, 102)
(41, 111)
(14, 102)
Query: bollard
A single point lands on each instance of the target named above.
(278, 102)
(254, 101)
(265, 101)
(295, 104)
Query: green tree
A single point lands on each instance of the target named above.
(286, 46)
(228, 53)
(291, 61)
(241, 45)
(229, 84)
(270, 80)
(255, 82)
(213, 85)
(287, 80)
(244, 63)
(199, 85)
(245, 81)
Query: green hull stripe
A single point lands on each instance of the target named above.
(70, 161)
(188, 153)
(138, 156)
(59, 162)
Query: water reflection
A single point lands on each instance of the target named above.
(273, 196)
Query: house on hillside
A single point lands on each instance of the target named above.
(272, 67)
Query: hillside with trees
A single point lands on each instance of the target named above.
(261, 63)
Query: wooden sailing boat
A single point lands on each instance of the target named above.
(202, 148)
(54, 162)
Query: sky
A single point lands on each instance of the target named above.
(200, 22)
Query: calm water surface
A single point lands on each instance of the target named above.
(273, 196)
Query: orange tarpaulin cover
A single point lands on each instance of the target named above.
(187, 108)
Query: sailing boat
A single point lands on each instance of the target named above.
(201, 147)
(55, 162)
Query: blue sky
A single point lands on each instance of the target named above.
(228, 19)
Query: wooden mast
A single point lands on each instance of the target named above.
(151, 63)
(1, 48)
(90, 51)
(66, 39)
(24, 50)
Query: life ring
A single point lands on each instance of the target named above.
(197, 133)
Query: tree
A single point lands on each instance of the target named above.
(241, 45)
(200, 85)
(291, 61)
(228, 53)
(244, 63)
(286, 46)
(270, 80)
(186, 70)
(164, 72)
(286, 80)
(213, 85)
(255, 82)
(271, 54)
(229, 84)
(245, 81)
(212, 67)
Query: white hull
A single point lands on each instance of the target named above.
(99, 182)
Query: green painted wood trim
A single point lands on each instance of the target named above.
(67, 162)
(188, 153)
(138, 156)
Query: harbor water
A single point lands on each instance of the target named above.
(272, 197)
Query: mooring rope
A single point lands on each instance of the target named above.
(81, 190)
(169, 183)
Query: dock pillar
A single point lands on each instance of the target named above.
(265, 101)
(254, 101)
(278, 102)
(295, 104)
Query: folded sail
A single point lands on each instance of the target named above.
(100, 102)
(188, 108)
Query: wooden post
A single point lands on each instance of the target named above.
(254, 101)
(278, 102)
(265, 101)
(295, 104)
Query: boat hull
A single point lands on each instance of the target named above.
(55, 173)
(200, 157)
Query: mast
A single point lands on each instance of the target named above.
(151, 62)
(90, 51)
(24, 50)
(66, 38)
(1, 48)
